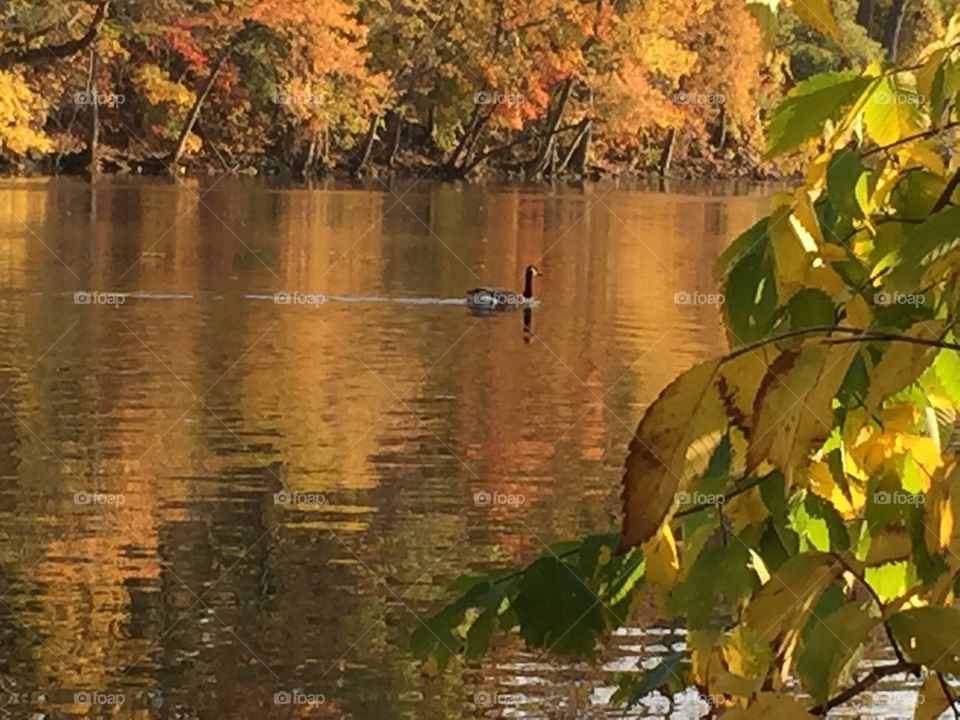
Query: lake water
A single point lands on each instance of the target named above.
(209, 497)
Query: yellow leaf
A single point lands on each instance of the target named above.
(676, 437)
(823, 484)
(898, 418)
(779, 610)
(938, 514)
(902, 363)
(746, 509)
(660, 552)
(795, 405)
(931, 700)
(927, 72)
(687, 411)
(819, 15)
(701, 644)
(804, 222)
(789, 254)
(858, 312)
(924, 153)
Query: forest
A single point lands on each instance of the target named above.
(448, 89)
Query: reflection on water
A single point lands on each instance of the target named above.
(210, 497)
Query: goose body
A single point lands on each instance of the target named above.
(499, 299)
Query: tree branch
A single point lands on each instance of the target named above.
(739, 491)
(863, 335)
(947, 193)
(878, 673)
(876, 598)
(948, 691)
(910, 138)
(35, 56)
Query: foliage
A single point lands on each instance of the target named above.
(795, 500)
(20, 114)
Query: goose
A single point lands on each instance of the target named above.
(482, 298)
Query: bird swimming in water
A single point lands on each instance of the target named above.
(482, 298)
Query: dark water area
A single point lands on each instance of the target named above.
(217, 502)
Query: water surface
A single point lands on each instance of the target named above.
(208, 497)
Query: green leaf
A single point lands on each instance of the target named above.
(888, 580)
(802, 115)
(829, 649)
(893, 110)
(749, 242)
(925, 244)
(478, 636)
(928, 636)
(819, 15)
(843, 174)
(946, 84)
(915, 195)
(751, 299)
(810, 307)
(556, 610)
(665, 676)
(946, 367)
(720, 571)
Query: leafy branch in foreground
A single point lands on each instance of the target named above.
(794, 501)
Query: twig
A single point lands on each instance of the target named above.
(877, 673)
(948, 691)
(894, 337)
(739, 491)
(873, 593)
(909, 138)
(947, 193)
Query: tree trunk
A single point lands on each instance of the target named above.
(311, 160)
(368, 145)
(548, 149)
(582, 154)
(397, 121)
(195, 110)
(581, 131)
(865, 12)
(473, 127)
(720, 139)
(666, 156)
(93, 131)
(891, 33)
